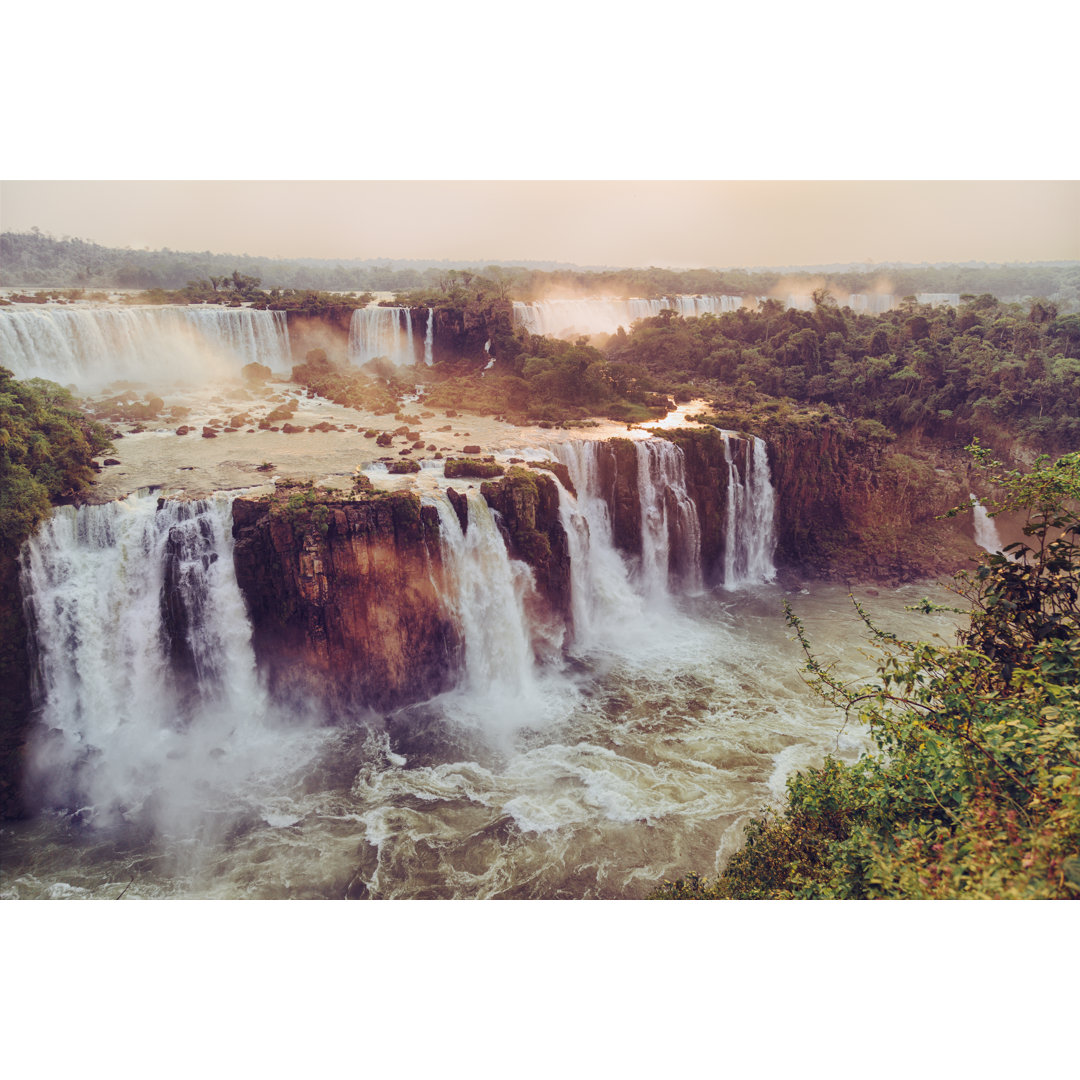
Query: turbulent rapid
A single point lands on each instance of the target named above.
(585, 752)
(589, 761)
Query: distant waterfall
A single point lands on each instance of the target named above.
(95, 346)
(145, 677)
(986, 533)
(596, 315)
(382, 332)
(751, 504)
(429, 338)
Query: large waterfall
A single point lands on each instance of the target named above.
(751, 505)
(591, 758)
(94, 346)
(489, 594)
(385, 332)
(150, 706)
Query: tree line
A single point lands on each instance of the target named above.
(37, 259)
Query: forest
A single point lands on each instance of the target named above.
(36, 259)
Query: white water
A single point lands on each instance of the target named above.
(124, 732)
(489, 594)
(95, 346)
(634, 758)
(597, 315)
(669, 519)
(986, 532)
(429, 338)
(751, 507)
(385, 332)
(605, 603)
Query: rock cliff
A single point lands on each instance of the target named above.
(528, 504)
(344, 598)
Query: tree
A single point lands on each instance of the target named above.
(975, 788)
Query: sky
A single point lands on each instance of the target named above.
(609, 223)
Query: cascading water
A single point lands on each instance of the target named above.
(565, 318)
(489, 594)
(603, 599)
(986, 533)
(429, 338)
(382, 332)
(751, 535)
(95, 346)
(150, 709)
(670, 531)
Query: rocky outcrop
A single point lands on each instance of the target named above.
(619, 484)
(344, 598)
(527, 503)
(849, 505)
(463, 331)
(14, 689)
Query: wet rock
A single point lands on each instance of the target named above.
(292, 429)
(209, 433)
(470, 449)
(111, 461)
(345, 598)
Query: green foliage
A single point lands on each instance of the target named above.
(975, 787)
(456, 467)
(1008, 370)
(346, 386)
(46, 451)
(539, 379)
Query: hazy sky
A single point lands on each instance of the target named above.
(634, 223)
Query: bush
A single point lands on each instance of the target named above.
(975, 789)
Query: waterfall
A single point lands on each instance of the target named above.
(382, 332)
(145, 685)
(429, 338)
(489, 595)
(670, 530)
(751, 536)
(95, 346)
(986, 533)
(603, 600)
(609, 593)
(598, 315)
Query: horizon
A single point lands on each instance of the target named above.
(579, 224)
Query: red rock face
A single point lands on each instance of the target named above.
(344, 601)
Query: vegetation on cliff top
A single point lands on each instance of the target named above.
(1001, 372)
(46, 451)
(975, 788)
